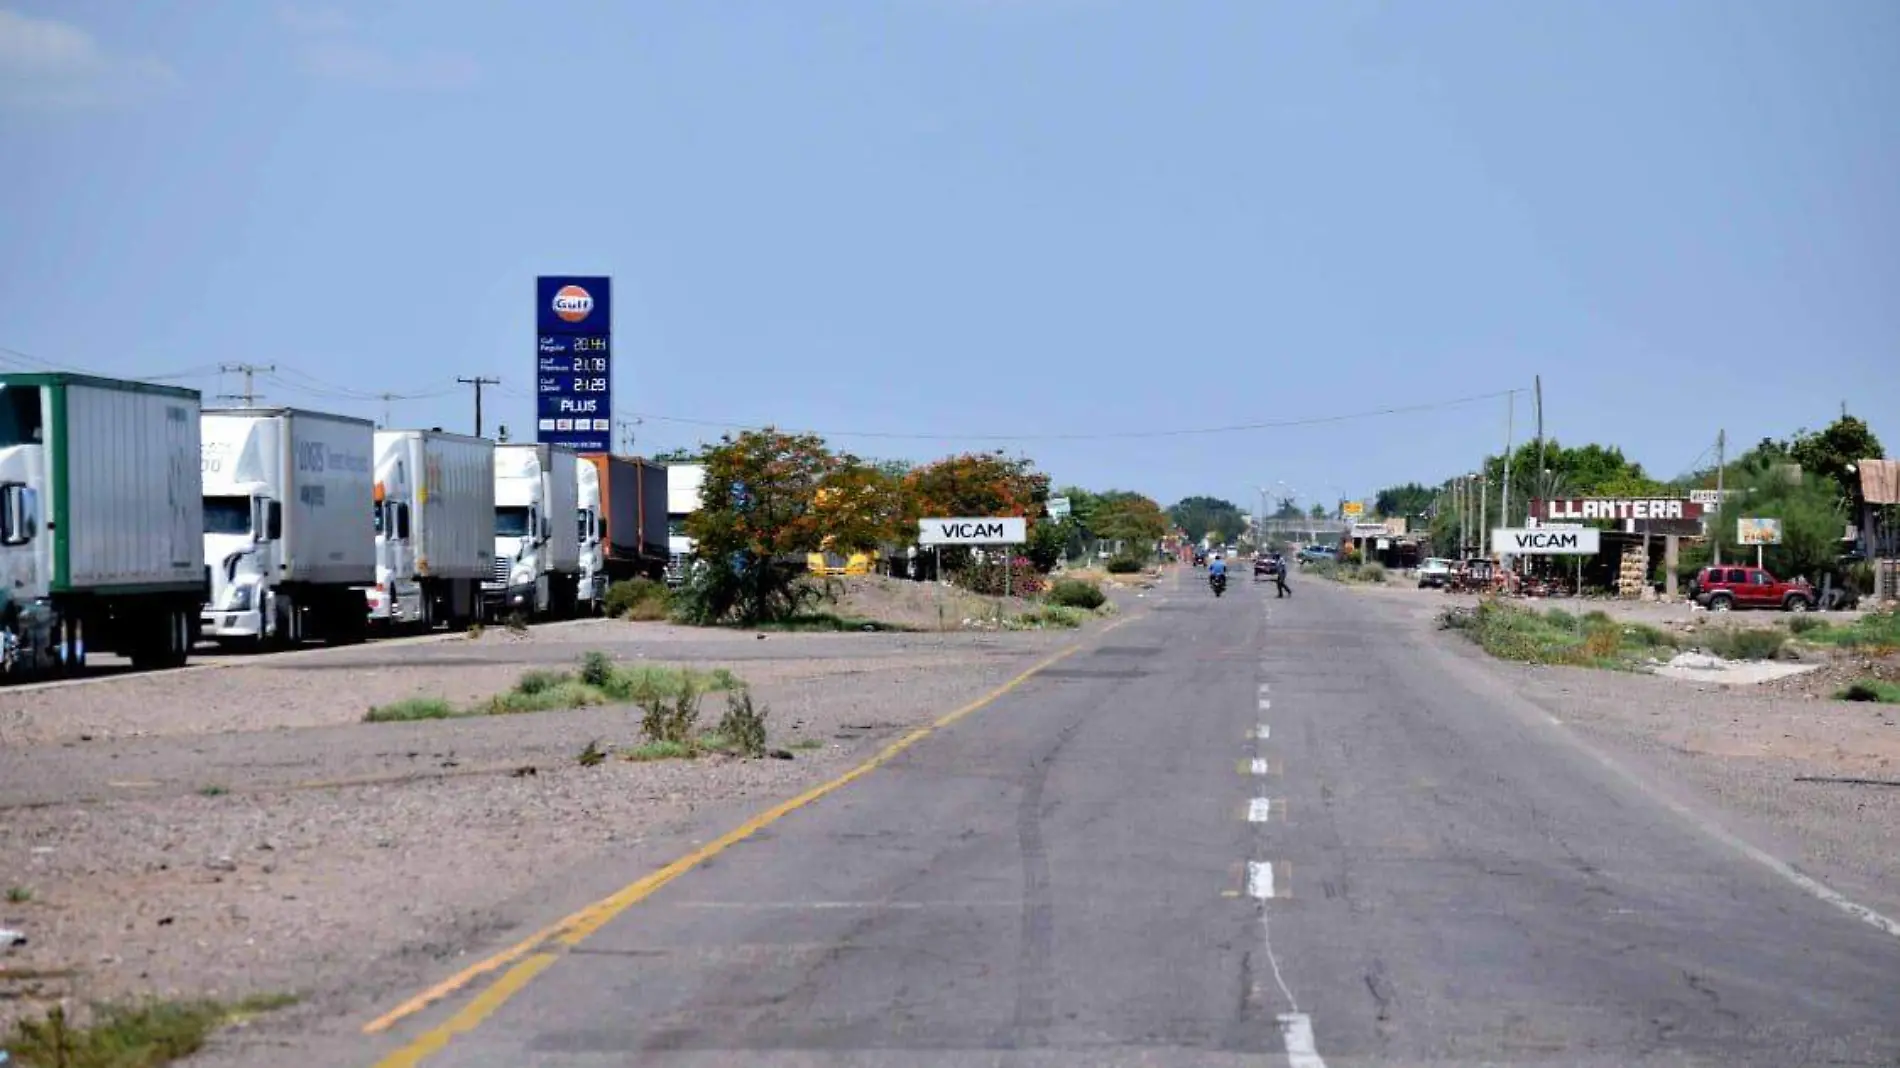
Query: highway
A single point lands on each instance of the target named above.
(1246, 831)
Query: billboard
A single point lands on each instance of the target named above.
(1749, 531)
(573, 361)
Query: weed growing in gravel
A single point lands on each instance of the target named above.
(19, 895)
(670, 717)
(1510, 632)
(143, 1035)
(212, 791)
(1743, 643)
(1875, 631)
(829, 621)
(1060, 617)
(597, 681)
(661, 751)
(411, 708)
(807, 743)
(1871, 690)
(640, 599)
(1075, 593)
(592, 756)
(743, 726)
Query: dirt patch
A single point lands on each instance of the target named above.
(922, 606)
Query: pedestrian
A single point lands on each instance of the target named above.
(1279, 579)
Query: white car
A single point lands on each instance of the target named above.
(1434, 572)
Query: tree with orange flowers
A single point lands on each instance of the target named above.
(759, 510)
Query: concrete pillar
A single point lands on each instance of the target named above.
(1672, 547)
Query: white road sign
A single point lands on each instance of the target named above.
(997, 530)
(1544, 541)
(1058, 507)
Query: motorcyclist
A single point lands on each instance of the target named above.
(1217, 570)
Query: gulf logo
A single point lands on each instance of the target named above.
(573, 303)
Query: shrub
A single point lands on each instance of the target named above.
(673, 719)
(1074, 593)
(1802, 625)
(539, 681)
(1372, 572)
(988, 578)
(1738, 643)
(1871, 690)
(637, 599)
(743, 726)
(1124, 565)
(597, 668)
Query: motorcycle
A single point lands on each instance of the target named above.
(1219, 582)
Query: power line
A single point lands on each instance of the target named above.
(1277, 424)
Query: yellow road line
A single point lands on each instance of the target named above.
(577, 927)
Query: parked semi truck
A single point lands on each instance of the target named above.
(434, 517)
(622, 522)
(683, 484)
(537, 564)
(288, 528)
(101, 522)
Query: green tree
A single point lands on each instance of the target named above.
(759, 508)
(1812, 519)
(1288, 508)
(1318, 511)
(678, 456)
(1409, 499)
(1131, 518)
(1828, 454)
(1202, 516)
(860, 507)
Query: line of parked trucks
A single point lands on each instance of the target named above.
(133, 521)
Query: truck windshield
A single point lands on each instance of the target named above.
(227, 515)
(20, 416)
(511, 522)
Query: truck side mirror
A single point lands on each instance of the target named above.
(19, 514)
(273, 520)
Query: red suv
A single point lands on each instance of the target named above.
(1722, 588)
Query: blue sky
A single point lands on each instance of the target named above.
(979, 217)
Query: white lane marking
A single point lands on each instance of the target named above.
(1265, 705)
(1259, 880)
(1258, 766)
(1297, 1029)
(1258, 810)
(1264, 688)
(1263, 732)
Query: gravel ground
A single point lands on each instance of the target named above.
(238, 829)
(1737, 750)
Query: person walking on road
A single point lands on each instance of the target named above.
(1279, 577)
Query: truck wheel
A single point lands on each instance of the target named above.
(1721, 602)
(1796, 603)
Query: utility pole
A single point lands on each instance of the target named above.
(248, 370)
(1715, 529)
(1537, 382)
(1510, 431)
(478, 382)
(386, 398)
(1484, 502)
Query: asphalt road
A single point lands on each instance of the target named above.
(1243, 831)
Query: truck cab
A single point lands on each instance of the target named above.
(394, 598)
(537, 548)
(592, 527)
(242, 525)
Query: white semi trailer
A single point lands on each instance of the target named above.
(288, 525)
(101, 522)
(435, 528)
(537, 540)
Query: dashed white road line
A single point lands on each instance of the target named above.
(1258, 810)
(1259, 880)
(1262, 732)
(1265, 689)
(1265, 705)
(1258, 766)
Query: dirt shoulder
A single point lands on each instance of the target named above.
(240, 830)
(1771, 757)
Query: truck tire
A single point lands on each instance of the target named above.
(1797, 603)
(1721, 602)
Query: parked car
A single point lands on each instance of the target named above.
(1318, 552)
(1720, 589)
(1434, 573)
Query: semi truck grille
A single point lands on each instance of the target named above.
(502, 567)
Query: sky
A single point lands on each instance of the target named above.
(1075, 230)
